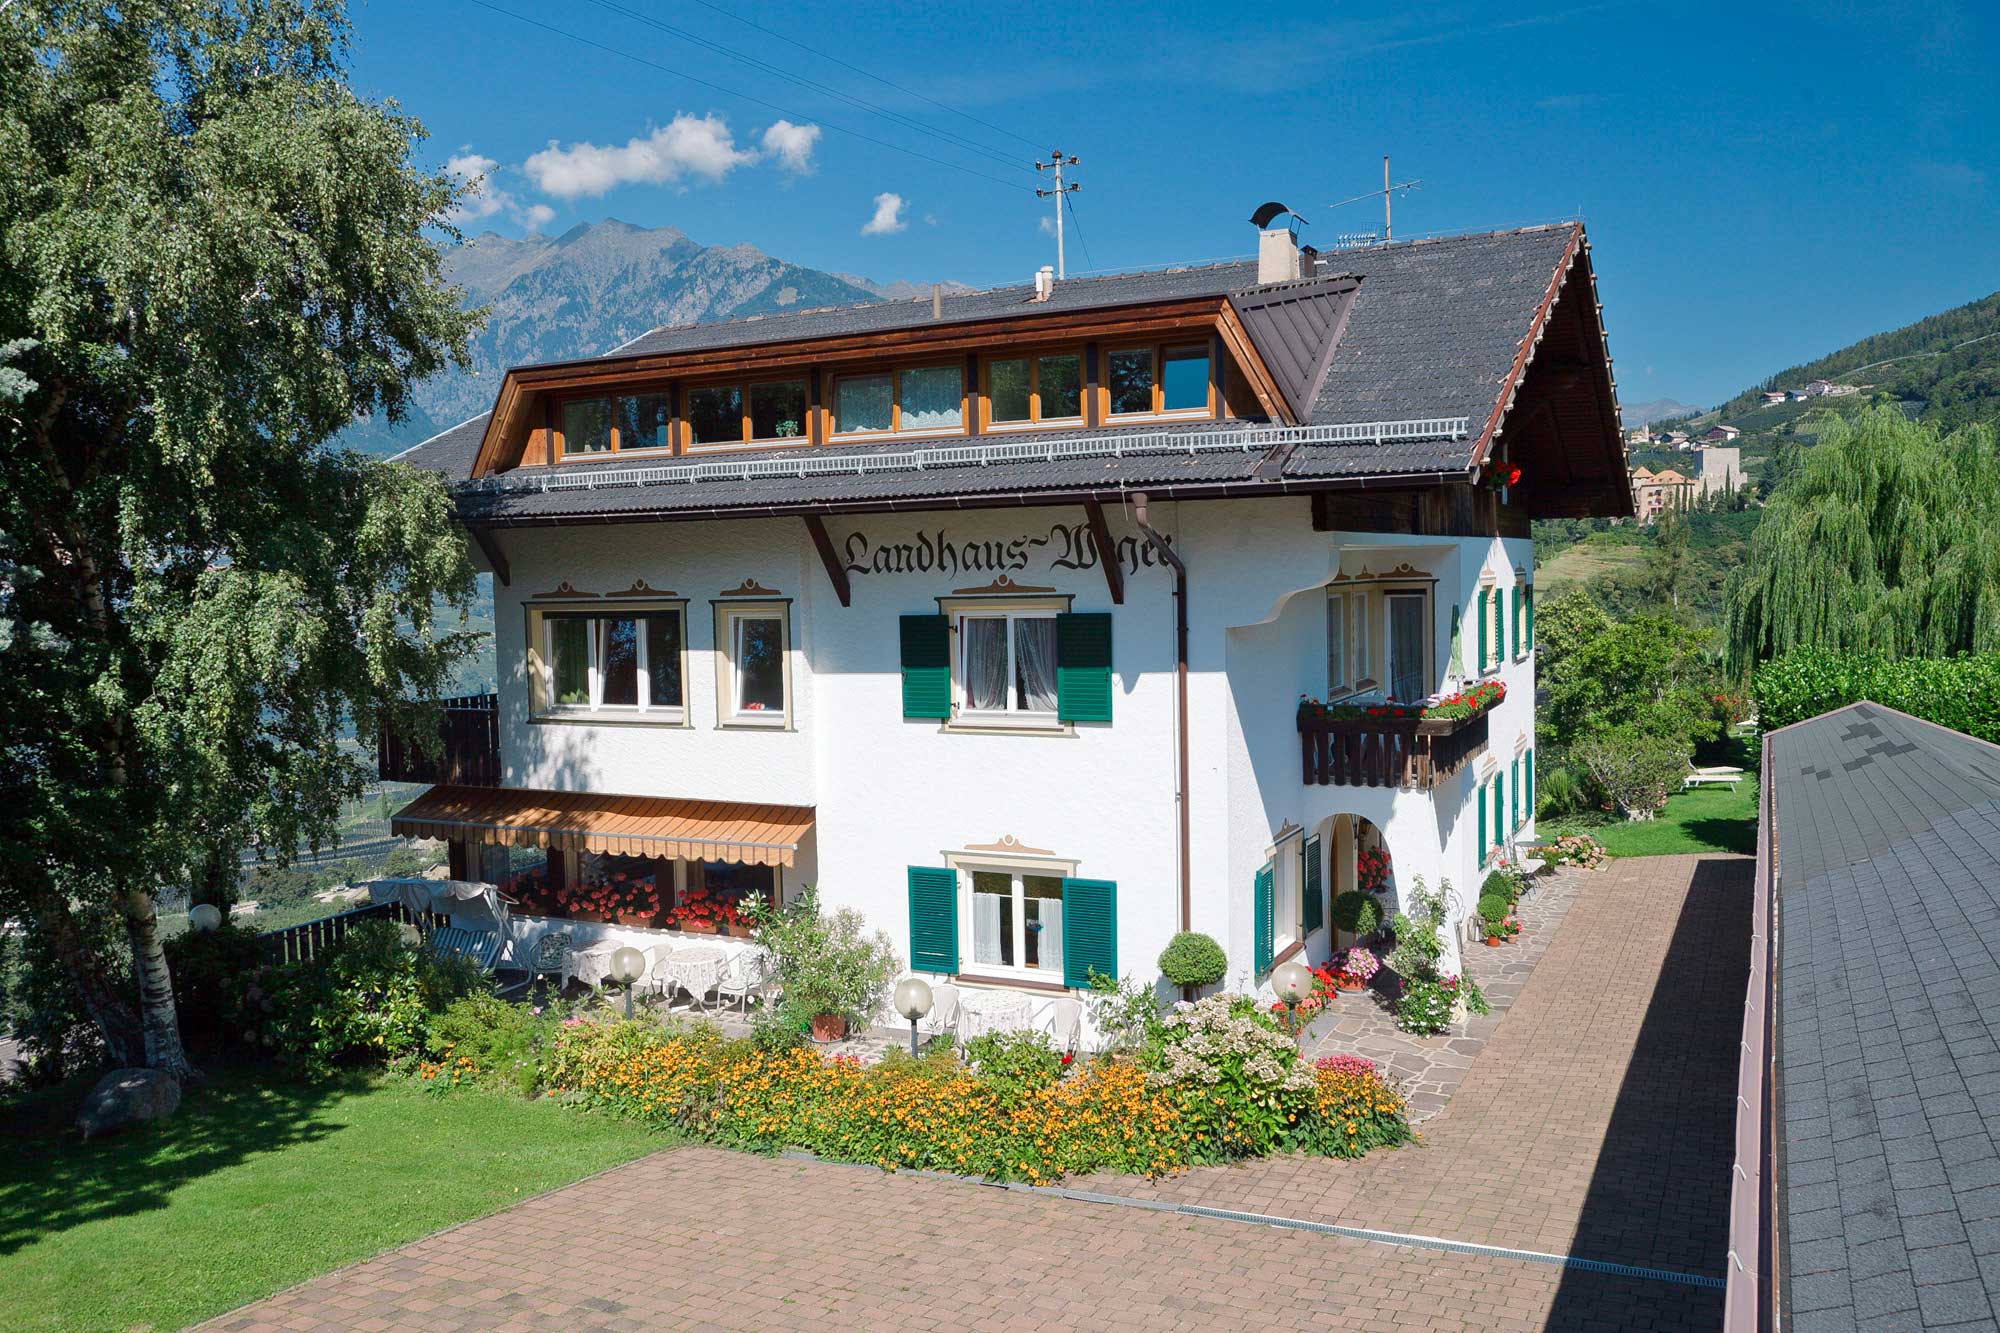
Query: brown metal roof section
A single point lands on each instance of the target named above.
(1296, 326)
(687, 830)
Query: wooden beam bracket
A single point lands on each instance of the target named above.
(489, 547)
(1107, 551)
(836, 573)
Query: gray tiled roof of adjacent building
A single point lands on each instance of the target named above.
(1888, 1055)
(1433, 332)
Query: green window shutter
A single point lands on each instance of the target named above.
(1514, 620)
(1266, 942)
(1482, 823)
(1315, 913)
(1083, 666)
(1499, 805)
(1528, 772)
(933, 919)
(926, 666)
(1514, 794)
(1484, 596)
(1090, 930)
(1528, 593)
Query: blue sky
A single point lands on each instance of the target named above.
(1762, 183)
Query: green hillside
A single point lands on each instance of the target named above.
(1946, 368)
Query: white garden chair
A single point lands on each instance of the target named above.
(943, 1017)
(746, 974)
(1065, 1023)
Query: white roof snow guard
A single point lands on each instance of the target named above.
(1114, 444)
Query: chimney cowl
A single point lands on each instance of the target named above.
(1045, 282)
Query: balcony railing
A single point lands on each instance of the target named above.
(1388, 752)
(466, 754)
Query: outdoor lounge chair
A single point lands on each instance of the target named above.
(481, 948)
(1718, 775)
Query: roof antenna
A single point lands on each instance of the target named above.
(1056, 163)
(1387, 192)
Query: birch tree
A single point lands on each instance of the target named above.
(213, 256)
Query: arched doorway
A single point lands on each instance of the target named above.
(1359, 859)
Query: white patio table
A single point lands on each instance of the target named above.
(591, 964)
(985, 1011)
(695, 970)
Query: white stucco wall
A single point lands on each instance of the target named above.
(891, 793)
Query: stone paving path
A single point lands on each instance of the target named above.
(1429, 1069)
(1595, 1121)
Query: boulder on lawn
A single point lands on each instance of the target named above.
(126, 1097)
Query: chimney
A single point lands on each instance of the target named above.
(1277, 255)
(937, 300)
(1045, 282)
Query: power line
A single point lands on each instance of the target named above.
(742, 96)
(1079, 230)
(866, 73)
(813, 85)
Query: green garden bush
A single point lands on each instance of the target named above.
(210, 970)
(1357, 913)
(1193, 959)
(369, 998)
(1494, 908)
(1962, 692)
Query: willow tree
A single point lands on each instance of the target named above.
(1882, 540)
(213, 256)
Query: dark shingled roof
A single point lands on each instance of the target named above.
(1888, 1048)
(1432, 332)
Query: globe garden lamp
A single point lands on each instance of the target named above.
(627, 966)
(913, 1001)
(204, 917)
(1292, 983)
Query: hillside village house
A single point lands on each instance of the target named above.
(991, 614)
(1654, 493)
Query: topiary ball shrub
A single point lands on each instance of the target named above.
(1357, 913)
(1494, 907)
(1193, 959)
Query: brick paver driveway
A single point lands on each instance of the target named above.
(1595, 1123)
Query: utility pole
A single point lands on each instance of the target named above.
(1056, 163)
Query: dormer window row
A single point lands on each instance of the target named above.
(1038, 388)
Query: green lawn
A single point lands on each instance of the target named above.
(255, 1186)
(1706, 819)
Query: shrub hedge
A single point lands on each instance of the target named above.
(1962, 692)
(1356, 912)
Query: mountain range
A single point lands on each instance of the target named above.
(594, 287)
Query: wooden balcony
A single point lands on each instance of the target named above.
(1388, 752)
(466, 753)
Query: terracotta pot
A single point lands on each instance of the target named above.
(829, 1027)
(1492, 941)
(1346, 983)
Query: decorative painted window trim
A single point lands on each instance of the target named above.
(729, 615)
(1019, 865)
(540, 619)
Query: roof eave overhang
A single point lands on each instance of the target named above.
(521, 385)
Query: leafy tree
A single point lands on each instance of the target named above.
(214, 258)
(1636, 768)
(1651, 672)
(1883, 541)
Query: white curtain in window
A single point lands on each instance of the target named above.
(985, 662)
(986, 927)
(1406, 644)
(1035, 664)
(1050, 948)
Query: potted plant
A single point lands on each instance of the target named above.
(1355, 967)
(1357, 913)
(832, 971)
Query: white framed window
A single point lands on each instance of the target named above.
(1004, 664)
(606, 664)
(1405, 655)
(1336, 644)
(1286, 899)
(753, 668)
(1011, 921)
(911, 400)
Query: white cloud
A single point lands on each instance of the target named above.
(1048, 227)
(688, 145)
(792, 145)
(536, 216)
(482, 199)
(888, 217)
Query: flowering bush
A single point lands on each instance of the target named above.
(1576, 849)
(702, 909)
(616, 897)
(1239, 1075)
(1371, 870)
(1345, 1064)
(1353, 1110)
(1357, 964)
(1497, 474)
(1427, 1006)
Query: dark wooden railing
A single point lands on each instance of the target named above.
(305, 941)
(467, 752)
(1387, 752)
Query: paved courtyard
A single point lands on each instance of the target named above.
(1594, 1121)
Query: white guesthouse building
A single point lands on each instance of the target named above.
(991, 614)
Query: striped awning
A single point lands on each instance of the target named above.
(683, 830)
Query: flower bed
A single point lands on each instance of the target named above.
(1217, 1081)
(1461, 706)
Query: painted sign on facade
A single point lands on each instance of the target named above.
(1063, 546)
